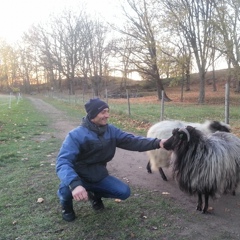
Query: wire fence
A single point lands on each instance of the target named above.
(7, 100)
(153, 112)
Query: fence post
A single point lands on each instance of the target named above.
(18, 97)
(227, 103)
(129, 112)
(83, 95)
(10, 100)
(162, 107)
(106, 95)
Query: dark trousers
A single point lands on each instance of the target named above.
(109, 187)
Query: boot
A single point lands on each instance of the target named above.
(96, 202)
(68, 213)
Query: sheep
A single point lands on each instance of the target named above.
(160, 158)
(204, 165)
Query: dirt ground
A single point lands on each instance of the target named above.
(224, 219)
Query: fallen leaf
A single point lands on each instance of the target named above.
(40, 200)
(165, 193)
(210, 208)
(126, 179)
(227, 210)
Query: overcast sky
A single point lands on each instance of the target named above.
(18, 15)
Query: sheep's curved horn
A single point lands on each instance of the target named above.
(185, 131)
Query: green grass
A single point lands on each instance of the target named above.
(27, 152)
(144, 115)
(27, 155)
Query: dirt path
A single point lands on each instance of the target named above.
(224, 221)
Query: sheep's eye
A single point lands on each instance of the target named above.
(181, 136)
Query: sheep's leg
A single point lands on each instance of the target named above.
(205, 209)
(160, 171)
(162, 174)
(200, 202)
(149, 167)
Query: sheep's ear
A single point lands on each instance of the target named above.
(183, 131)
(175, 130)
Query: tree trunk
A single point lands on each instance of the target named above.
(237, 77)
(71, 86)
(182, 84)
(187, 79)
(96, 85)
(201, 99)
(160, 88)
(214, 80)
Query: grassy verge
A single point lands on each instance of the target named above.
(27, 173)
(27, 156)
(27, 152)
(144, 114)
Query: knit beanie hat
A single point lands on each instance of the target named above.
(94, 106)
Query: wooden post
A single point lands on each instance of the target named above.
(162, 107)
(227, 103)
(129, 112)
(106, 95)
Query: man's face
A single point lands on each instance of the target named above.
(102, 118)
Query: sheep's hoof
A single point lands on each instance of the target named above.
(199, 208)
(162, 174)
(164, 178)
(205, 211)
(149, 168)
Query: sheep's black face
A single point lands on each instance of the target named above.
(217, 126)
(178, 136)
(173, 140)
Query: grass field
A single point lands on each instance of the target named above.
(147, 110)
(27, 174)
(27, 157)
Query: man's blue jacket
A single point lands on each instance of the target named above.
(87, 149)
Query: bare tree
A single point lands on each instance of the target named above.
(227, 22)
(122, 50)
(97, 53)
(38, 39)
(26, 67)
(173, 38)
(8, 66)
(60, 47)
(194, 20)
(142, 28)
(66, 42)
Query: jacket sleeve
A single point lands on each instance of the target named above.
(131, 142)
(67, 156)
